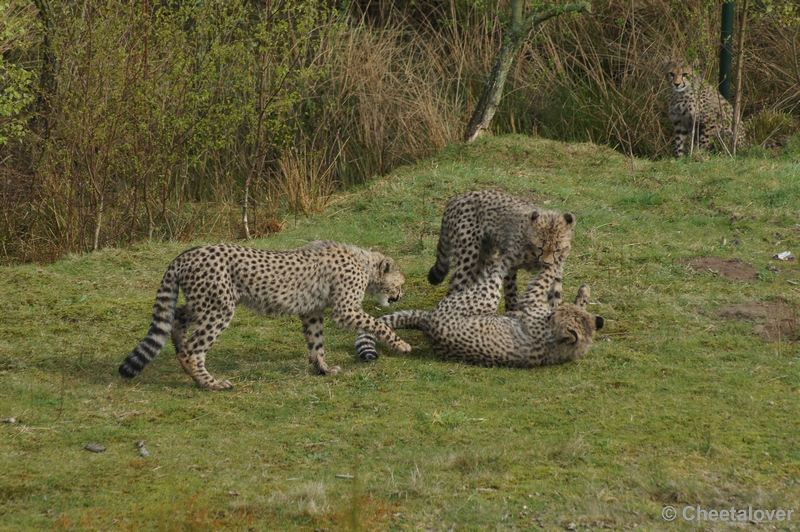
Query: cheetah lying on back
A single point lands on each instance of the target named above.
(464, 326)
(478, 224)
(303, 281)
(697, 108)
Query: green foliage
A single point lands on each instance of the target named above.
(18, 34)
(680, 401)
(135, 121)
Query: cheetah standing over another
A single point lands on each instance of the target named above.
(303, 281)
(478, 224)
(464, 326)
(695, 107)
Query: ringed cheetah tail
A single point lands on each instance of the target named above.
(160, 326)
(444, 252)
(366, 348)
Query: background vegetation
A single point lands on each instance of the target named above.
(130, 121)
(681, 401)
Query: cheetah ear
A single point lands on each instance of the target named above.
(386, 265)
(534, 216)
(599, 321)
(584, 294)
(574, 336)
(569, 218)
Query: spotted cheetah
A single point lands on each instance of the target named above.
(302, 281)
(697, 108)
(477, 224)
(464, 327)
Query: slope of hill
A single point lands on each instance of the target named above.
(688, 398)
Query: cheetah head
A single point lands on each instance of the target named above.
(678, 76)
(572, 327)
(387, 284)
(550, 235)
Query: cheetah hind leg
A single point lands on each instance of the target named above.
(584, 294)
(191, 349)
(510, 290)
(179, 329)
(312, 327)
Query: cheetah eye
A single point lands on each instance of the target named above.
(670, 76)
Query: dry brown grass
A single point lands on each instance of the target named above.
(159, 119)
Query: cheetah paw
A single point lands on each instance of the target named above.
(327, 370)
(219, 385)
(403, 347)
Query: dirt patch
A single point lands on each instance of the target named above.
(733, 269)
(774, 321)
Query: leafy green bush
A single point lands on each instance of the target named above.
(18, 75)
(131, 121)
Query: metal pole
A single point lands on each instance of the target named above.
(726, 49)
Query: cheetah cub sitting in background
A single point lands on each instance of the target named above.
(464, 327)
(303, 281)
(696, 108)
(478, 224)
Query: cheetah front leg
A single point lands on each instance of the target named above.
(705, 137)
(682, 133)
(312, 327)
(359, 321)
(554, 292)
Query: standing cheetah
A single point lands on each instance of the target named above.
(478, 224)
(303, 281)
(464, 327)
(697, 108)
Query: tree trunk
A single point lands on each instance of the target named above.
(47, 79)
(518, 30)
(493, 90)
(737, 100)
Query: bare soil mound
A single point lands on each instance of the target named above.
(774, 321)
(733, 269)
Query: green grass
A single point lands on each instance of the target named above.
(673, 405)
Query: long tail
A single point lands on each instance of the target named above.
(402, 319)
(444, 252)
(160, 326)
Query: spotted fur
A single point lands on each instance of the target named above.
(465, 328)
(303, 282)
(478, 224)
(699, 113)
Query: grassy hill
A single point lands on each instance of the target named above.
(689, 397)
